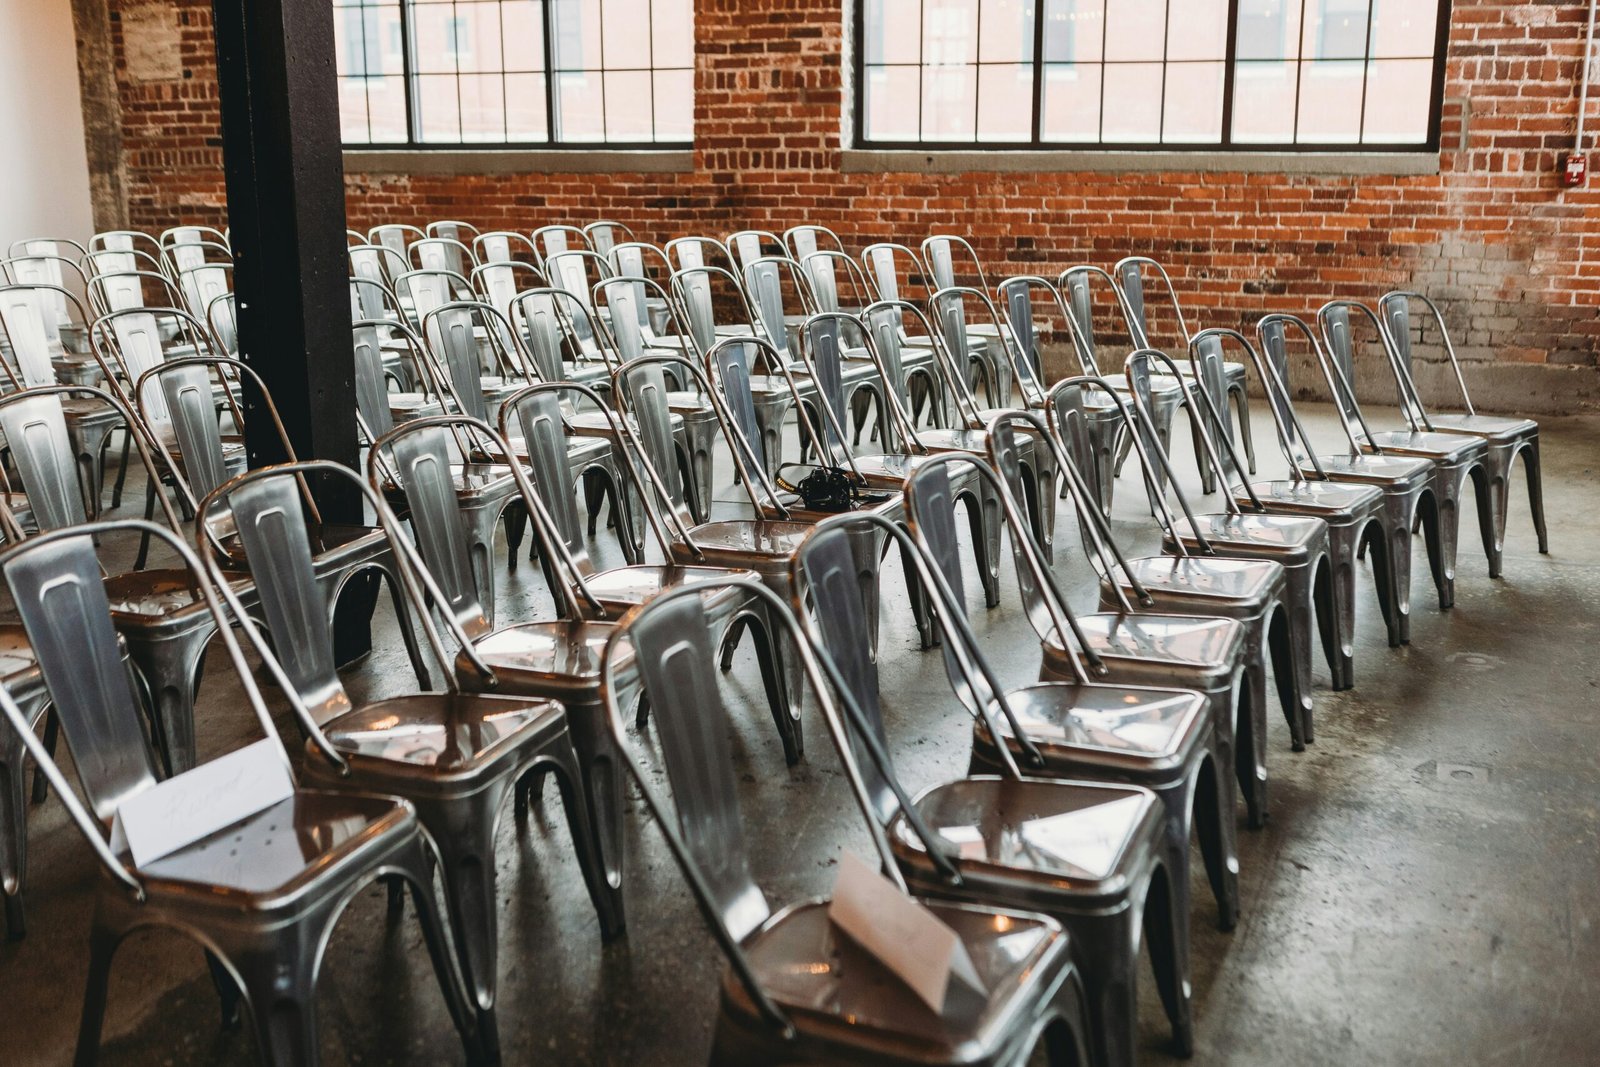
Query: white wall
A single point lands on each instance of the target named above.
(44, 172)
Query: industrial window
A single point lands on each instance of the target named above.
(526, 73)
(1130, 74)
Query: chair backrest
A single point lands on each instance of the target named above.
(31, 326)
(372, 394)
(396, 236)
(1394, 316)
(571, 271)
(808, 239)
(442, 253)
(748, 246)
(1338, 341)
(1130, 275)
(502, 246)
(602, 235)
(1020, 296)
(379, 263)
(698, 290)
(202, 284)
(939, 252)
(824, 339)
(553, 240)
(764, 280)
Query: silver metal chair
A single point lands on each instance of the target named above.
(605, 234)
(261, 896)
(808, 239)
(1456, 458)
(1099, 857)
(796, 991)
(455, 755)
(1507, 438)
(553, 240)
(1200, 583)
(1354, 513)
(1297, 542)
(1407, 483)
(183, 388)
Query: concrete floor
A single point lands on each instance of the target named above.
(1425, 891)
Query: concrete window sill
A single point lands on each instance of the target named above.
(964, 161)
(599, 160)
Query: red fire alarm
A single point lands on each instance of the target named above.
(1574, 169)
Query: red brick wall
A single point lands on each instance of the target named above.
(1516, 258)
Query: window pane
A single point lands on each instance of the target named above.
(483, 107)
(1263, 102)
(1131, 110)
(580, 106)
(1197, 29)
(1194, 103)
(1330, 102)
(1335, 29)
(949, 103)
(386, 110)
(438, 117)
(672, 33)
(432, 34)
(1135, 29)
(1072, 30)
(894, 31)
(949, 31)
(577, 34)
(526, 119)
(522, 31)
(1071, 103)
(1404, 28)
(1005, 102)
(1005, 31)
(674, 104)
(1398, 94)
(353, 110)
(892, 101)
(1269, 29)
(626, 25)
(629, 113)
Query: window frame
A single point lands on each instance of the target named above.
(409, 78)
(859, 141)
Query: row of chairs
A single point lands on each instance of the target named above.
(1170, 681)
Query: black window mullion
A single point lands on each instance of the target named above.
(549, 7)
(1230, 59)
(408, 69)
(1299, 68)
(1366, 73)
(456, 26)
(1038, 71)
(1166, 41)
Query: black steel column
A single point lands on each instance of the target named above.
(285, 174)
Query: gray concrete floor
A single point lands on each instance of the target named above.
(1395, 910)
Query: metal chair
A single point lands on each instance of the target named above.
(1099, 857)
(807, 239)
(979, 352)
(1299, 543)
(1129, 645)
(1354, 513)
(1130, 280)
(797, 992)
(1456, 458)
(605, 234)
(1200, 583)
(1506, 437)
(183, 388)
(1407, 483)
(553, 240)
(261, 896)
(455, 755)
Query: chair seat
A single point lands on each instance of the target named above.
(403, 406)
(1336, 502)
(1289, 539)
(1212, 578)
(889, 470)
(441, 733)
(1162, 386)
(1499, 429)
(1444, 447)
(635, 585)
(16, 652)
(1392, 472)
(836, 992)
(954, 440)
(764, 537)
(1079, 831)
(158, 592)
(596, 423)
(1208, 643)
(279, 852)
(559, 654)
(1156, 729)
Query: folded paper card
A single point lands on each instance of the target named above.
(201, 801)
(901, 934)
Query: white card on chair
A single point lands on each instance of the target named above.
(903, 935)
(201, 801)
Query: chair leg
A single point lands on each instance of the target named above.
(417, 874)
(1431, 514)
(122, 467)
(779, 677)
(1214, 820)
(1398, 516)
(1166, 929)
(985, 525)
(170, 669)
(515, 519)
(597, 784)
(1532, 469)
(1249, 745)
(13, 832)
(919, 597)
(1489, 492)
(52, 734)
(1383, 578)
(150, 491)
(463, 830)
(102, 947)
(279, 982)
(1327, 591)
(1339, 631)
(408, 633)
(1281, 644)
